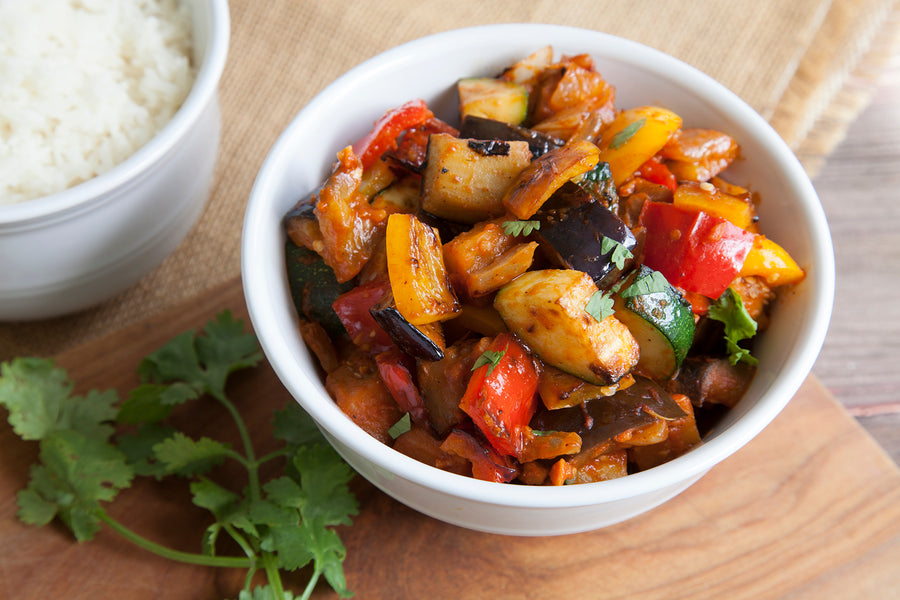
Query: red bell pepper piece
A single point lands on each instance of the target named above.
(396, 370)
(352, 308)
(695, 251)
(655, 171)
(386, 130)
(413, 147)
(501, 397)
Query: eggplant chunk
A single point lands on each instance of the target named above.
(419, 341)
(601, 420)
(546, 309)
(481, 128)
(580, 238)
(463, 184)
(715, 380)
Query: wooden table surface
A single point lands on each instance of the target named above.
(860, 190)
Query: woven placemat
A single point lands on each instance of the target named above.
(809, 66)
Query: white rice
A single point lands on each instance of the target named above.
(83, 85)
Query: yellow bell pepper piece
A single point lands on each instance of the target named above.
(770, 261)
(635, 136)
(415, 265)
(709, 199)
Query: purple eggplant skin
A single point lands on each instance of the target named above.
(489, 147)
(480, 128)
(409, 338)
(598, 421)
(572, 236)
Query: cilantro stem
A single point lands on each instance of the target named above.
(241, 541)
(272, 574)
(249, 453)
(311, 584)
(275, 454)
(166, 552)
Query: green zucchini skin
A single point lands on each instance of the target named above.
(313, 287)
(663, 324)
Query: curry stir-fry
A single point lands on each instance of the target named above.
(553, 290)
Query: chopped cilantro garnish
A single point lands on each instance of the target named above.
(491, 358)
(739, 325)
(650, 283)
(516, 228)
(600, 305)
(620, 253)
(400, 427)
(626, 134)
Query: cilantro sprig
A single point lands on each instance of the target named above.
(86, 457)
(491, 358)
(619, 253)
(739, 325)
(516, 228)
(600, 305)
(626, 134)
(649, 282)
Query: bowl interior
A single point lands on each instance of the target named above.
(428, 68)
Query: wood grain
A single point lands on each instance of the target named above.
(808, 509)
(858, 188)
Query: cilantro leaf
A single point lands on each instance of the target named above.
(648, 283)
(620, 253)
(203, 362)
(516, 228)
(39, 399)
(600, 305)
(739, 325)
(184, 456)
(294, 426)
(626, 134)
(151, 403)
(491, 358)
(75, 474)
(213, 497)
(400, 427)
(138, 449)
(323, 499)
(324, 477)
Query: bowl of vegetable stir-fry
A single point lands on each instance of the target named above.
(535, 280)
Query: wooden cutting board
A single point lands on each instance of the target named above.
(809, 509)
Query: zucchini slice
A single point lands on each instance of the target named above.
(491, 98)
(661, 320)
(314, 287)
(546, 309)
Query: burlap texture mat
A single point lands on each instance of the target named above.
(808, 66)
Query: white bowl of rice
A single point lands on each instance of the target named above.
(109, 135)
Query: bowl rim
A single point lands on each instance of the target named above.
(204, 88)
(396, 465)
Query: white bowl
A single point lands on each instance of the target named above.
(70, 250)
(428, 68)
